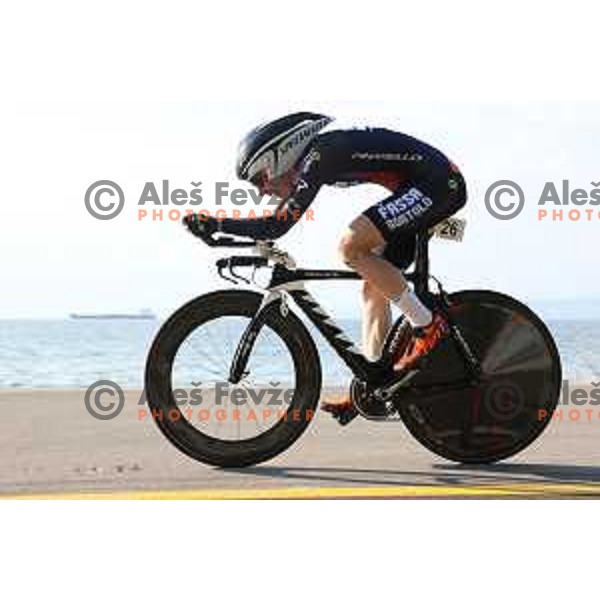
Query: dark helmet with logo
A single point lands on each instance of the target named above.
(272, 149)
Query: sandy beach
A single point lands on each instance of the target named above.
(51, 445)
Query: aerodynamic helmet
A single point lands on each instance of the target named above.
(273, 148)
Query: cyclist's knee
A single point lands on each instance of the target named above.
(351, 249)
(360, 240)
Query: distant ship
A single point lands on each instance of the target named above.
(146, 315)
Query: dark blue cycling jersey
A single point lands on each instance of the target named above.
(425, 186)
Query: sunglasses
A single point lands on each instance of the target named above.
(260, 179)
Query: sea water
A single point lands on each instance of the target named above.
(76, 353)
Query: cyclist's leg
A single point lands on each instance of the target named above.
(417, 206)
(359, 249)
(376, 320)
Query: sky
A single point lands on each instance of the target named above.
(139, 100)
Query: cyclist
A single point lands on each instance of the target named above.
(292, 158)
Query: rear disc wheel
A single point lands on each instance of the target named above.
(511, 404)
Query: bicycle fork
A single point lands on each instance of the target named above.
(246, 343)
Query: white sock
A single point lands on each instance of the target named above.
(413, 309)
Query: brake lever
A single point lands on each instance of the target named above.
(239, 276)
(220, 267)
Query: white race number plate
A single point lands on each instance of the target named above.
(452, 228)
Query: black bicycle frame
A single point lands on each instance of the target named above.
(283, 279)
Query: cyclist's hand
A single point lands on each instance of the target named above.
(202, 228)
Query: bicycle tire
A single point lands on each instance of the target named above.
(158, 381)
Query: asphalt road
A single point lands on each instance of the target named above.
(52, 447)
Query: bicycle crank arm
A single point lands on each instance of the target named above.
(387, 392)
(384, 394)
(441, 388)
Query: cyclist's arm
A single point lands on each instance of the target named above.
(286, 215)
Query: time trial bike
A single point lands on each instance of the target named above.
(484, 394)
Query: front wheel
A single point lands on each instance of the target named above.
(200, 411)
(514, 398)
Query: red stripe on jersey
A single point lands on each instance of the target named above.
(387, 179)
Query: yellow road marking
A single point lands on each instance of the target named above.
(516, 490)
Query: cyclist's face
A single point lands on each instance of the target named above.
(282, 187)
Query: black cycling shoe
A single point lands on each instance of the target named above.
(342, 412)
